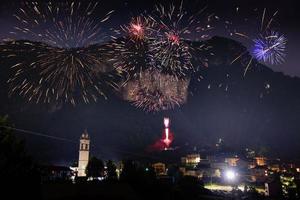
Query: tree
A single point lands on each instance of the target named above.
(14, 161)
(191, 187)
(137, 173)
(111, 170)
(175, 173)
(95, 168)
(16, 166)
(129, 171)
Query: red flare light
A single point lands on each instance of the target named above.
(167, 140)
(173, 38)
(136, 29)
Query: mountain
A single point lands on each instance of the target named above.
(258, 110)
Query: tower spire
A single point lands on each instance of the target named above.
(84, 149)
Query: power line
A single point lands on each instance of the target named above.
(39, 134)
(102, 146)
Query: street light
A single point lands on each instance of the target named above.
(230, 175)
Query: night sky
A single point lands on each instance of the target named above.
(287, 18)
(117, 127)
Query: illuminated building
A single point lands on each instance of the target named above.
(191, 160)
(190, 172)
(219, 165)
(190, 163)
(259, 174)
(252, 164)
(232, 162)
(274, 167)
(159, 168)
(288, 184)
(84, 148)
(260, 161)
(245, 163)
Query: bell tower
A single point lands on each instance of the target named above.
(84, 149)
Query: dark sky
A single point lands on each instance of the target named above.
(286, 19)
(112, 129)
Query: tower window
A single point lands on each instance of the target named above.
(86, 147)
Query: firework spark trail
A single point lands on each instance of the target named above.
(262, 19)
(172, 26)
(150, 87)
(154, 50)
(44, 82)
(63, 24)
(247, 67)
(270, 21)
(153, 91)
(62, 69)
(130, 46)
(238, 57)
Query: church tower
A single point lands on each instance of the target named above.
(84, 149)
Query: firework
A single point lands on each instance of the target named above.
(270, 48)
(153, 91)
(64, 68)
(50, 74)
(137, 28)
(170, 47)
(158, 41)
(130, 46)
(60, 24)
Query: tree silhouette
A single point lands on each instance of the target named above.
(14, 161)
(136, 173)
(111, 170)
(95, 168)
(129, 171)
(16, 166)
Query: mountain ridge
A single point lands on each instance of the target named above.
(248, 110)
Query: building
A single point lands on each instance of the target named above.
(191, 160)
(260, 161)
(232, 161)
(222, 166)
(259, 174)
(84, 149)
(245, 163)
(274, 167)
(159, 168)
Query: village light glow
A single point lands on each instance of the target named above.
(230, 175)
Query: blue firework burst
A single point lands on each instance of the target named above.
(270, 48)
